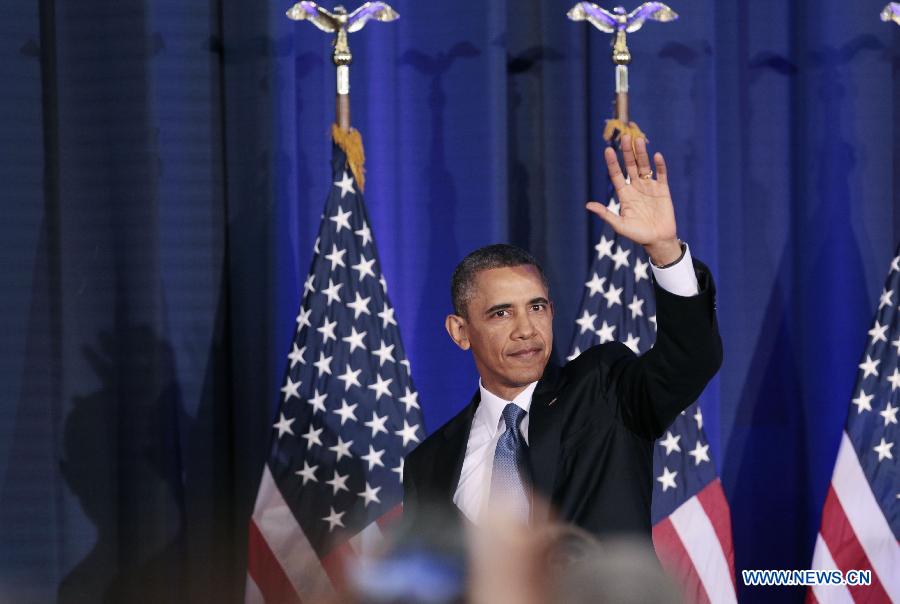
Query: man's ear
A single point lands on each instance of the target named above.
(456, 327)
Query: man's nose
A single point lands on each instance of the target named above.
(524, 327)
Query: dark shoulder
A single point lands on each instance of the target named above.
(601, 356)
(429, 446)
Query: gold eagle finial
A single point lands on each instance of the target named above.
(620, 22)
(891, 12)
(331, 22)
(618, 19)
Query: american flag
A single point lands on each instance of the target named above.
(691, 518)
(861, 517)
(348, 414)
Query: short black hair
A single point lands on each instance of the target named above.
(498, 255)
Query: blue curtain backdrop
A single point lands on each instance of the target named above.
(164, 165)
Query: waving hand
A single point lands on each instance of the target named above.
(646, 214)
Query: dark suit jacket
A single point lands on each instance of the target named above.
(594, 421)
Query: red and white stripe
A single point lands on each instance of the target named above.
(855, 535)
(283, 567)
(694, 545)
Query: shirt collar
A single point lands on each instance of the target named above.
(491, 407)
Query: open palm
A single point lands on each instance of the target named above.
(646, 214)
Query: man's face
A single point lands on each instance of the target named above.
(509, 328)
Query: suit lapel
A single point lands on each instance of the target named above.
(543, 437)
(452, 451)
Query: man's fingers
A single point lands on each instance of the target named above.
(612, 165)
(628, 156)
(611, 218)
(643, 160)
(662, 175)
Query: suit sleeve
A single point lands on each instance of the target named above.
(654, 388)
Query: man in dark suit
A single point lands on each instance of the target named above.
(579, 437)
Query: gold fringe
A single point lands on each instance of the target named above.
(351, 143)
(618, 129)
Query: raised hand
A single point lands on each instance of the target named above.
(646, 214)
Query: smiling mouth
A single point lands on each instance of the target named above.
(528, 353)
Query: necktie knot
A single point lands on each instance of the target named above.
(512, 417)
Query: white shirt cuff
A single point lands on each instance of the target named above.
(678, 279)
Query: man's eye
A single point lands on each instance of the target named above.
(502, 313)
(537, 307)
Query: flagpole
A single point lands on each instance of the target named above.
(621, 58)
(342, 58)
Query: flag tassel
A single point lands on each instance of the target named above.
(617, 129)
(350, 142)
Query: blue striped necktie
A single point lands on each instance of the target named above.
(510, 477)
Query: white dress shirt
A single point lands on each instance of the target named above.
(487, 425)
